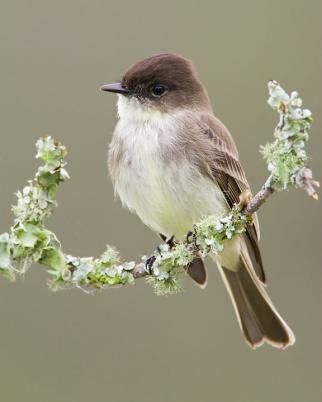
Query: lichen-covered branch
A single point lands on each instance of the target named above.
(29, 241)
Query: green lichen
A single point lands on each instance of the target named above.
(165, 287)
(211, 232)
(287, 155)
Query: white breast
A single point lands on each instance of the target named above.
(168, 195)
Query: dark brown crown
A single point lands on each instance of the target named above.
(165, 68)
(171, 70)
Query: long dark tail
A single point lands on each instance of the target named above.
(258, 318)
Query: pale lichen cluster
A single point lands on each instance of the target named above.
(29, 241)
(286, 156)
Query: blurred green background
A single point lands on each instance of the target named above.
(127, 345)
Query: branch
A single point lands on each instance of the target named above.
(29, 241)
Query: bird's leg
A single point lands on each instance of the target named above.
(168, 240)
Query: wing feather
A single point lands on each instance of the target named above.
(230, 176)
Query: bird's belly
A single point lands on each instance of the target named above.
(169, 198)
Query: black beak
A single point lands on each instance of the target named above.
(116, 88)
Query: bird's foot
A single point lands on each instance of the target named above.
(149, 264)
(150, 261)
(190, 237)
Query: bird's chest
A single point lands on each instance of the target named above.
(155, 180)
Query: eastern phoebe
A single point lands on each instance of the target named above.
(173, 162)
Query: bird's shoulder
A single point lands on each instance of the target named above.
(215, 130)
(210, 141)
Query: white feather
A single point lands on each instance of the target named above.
(169, 196)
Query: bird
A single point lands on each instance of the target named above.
(173, 162)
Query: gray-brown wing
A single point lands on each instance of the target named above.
(230, 176)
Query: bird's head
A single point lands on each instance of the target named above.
(162, 82)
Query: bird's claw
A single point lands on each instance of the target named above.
(189, 237)
(149, 264)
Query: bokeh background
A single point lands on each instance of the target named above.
(128, 345)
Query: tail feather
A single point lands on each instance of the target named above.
(197, 271)
(256, 314)
(252, 246)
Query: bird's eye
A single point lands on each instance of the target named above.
(158, 90)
